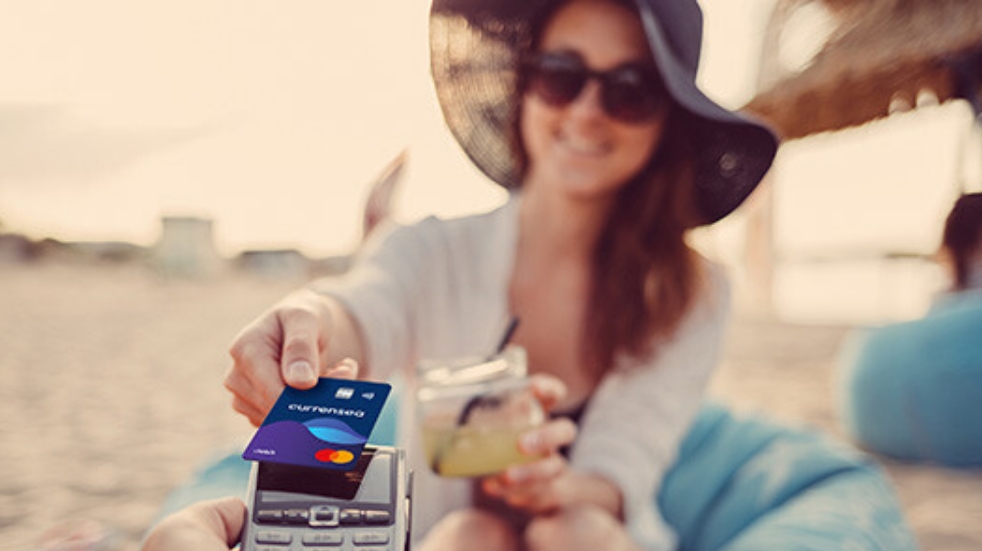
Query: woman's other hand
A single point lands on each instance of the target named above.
(541, 485)
(548, 483)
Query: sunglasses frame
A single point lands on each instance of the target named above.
(638, 107)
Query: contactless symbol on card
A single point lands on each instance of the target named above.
(325, 426)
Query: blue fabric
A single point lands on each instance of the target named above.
(854, 509)
(913, 390)
(751, 484)
(740, 484)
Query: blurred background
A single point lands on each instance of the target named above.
(168, 170)
(272, 122)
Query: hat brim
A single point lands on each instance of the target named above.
(474, 48)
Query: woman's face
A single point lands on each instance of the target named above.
(578, 148)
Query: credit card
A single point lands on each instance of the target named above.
(326, 426)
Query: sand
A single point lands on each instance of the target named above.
(111, 395)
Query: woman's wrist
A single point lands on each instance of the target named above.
(597, 490)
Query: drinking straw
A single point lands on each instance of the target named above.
(506, 338)
(481, 398)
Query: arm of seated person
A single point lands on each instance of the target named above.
(214, 525)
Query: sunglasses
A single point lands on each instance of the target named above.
(629, 93)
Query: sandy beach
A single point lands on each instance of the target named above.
(111, 396)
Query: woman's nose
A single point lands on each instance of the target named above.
(589, 103)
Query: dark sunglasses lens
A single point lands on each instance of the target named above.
(557, 79)
(630, 94)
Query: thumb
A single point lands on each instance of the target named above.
(233, 514)
(548, 389)
(302, 342)
(225, 517)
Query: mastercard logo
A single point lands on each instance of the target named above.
(339, 457)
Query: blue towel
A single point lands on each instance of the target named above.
(913, 390)
(753, 484)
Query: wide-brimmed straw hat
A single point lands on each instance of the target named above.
(475, 48)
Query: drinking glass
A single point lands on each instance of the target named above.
(473, 411)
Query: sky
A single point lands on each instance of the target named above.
(272, 119)
(268, 118)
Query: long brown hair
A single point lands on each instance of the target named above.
(645, 277)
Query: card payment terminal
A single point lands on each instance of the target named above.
(294, 508)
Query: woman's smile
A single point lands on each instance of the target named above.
(577, 147)
(580, 145)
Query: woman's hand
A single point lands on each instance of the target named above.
(541, 485)
(207, 526)
(294, 343)
(548, 483)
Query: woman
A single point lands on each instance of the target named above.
(588, 111)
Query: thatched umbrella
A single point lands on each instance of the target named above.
(880, 52)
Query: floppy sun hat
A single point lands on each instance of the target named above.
(475, 53)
